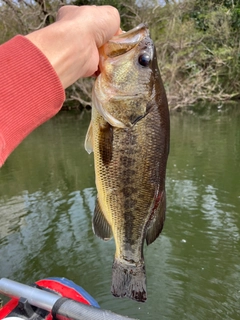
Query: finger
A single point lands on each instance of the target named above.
(107, 26)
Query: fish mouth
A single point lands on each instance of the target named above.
(117, 46)
(132, 35)
(126, 41)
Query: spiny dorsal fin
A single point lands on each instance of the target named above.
(156, 224)
(100, 225)
(89, 139)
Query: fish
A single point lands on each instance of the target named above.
(129, 135)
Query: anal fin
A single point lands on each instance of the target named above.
(100, 225)
(156, 224)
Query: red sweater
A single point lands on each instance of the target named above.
(30, 92)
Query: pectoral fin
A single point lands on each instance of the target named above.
(89, 139)
(156, 224)
(100, 225)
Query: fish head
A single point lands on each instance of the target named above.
(127, 76)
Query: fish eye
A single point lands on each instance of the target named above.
(144, 59)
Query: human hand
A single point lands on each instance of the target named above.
(71, 43)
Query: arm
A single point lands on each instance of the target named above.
(35, 69)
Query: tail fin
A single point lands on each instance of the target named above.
(129, 280)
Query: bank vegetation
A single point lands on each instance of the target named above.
(197, 41)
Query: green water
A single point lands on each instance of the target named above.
(47, 196)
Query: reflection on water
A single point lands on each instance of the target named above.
(47, 197)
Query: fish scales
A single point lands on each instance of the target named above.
(125, 202)
(129, 134)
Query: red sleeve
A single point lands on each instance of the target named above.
(30, 92)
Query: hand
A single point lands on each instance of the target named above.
(71, 43)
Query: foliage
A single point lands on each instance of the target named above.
(197, 42)
(197, 63)
(201, 8)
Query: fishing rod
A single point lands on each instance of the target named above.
(60, 307)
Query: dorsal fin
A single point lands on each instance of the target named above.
(100, 225)
(157, 222)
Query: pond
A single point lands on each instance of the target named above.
(47, 197)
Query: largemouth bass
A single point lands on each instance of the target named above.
(129, 135)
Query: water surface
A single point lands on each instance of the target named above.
(47, 196)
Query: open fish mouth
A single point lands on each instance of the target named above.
(134, 35)
(115, 48)
(126, 41)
